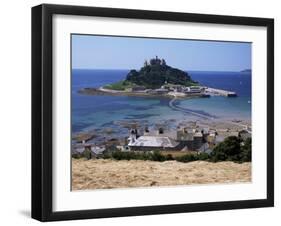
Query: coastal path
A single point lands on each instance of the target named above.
(177, 108)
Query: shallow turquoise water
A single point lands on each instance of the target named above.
(98, 112)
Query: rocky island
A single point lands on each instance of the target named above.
(153, 75)
(155, 78)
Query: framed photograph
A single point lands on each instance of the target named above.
(146, 112)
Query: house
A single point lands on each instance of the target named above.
(185, 134)
(190, 138)
(151, 140)
(89, 150)
(133, 136)
(97, 150)
(172, 87)
(152, 143)
(197, 140)
(211, 138)
(193, 89)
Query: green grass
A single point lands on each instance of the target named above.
(124, 84)
(121, 85)
(192, 84)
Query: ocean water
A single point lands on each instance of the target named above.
(101, 112)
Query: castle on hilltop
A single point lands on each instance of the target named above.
(155, 61)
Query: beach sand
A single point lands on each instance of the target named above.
(104, 174)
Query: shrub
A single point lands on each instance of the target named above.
(232, 150)
(246, 154)
(152, 156)
(110, 149)
(121, 85)
(118, 155)
(106, 156)
(187, 158)
(87, 154)
(157, 156)
(203, 156)
(169, 157)
(76, 155)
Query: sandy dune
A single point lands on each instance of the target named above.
(99, 174)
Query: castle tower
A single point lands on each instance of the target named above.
(145, 63)
(157, 60)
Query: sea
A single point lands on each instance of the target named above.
(102, 112)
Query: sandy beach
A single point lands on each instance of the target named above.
(105, 174)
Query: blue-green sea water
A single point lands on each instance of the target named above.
(99, 112)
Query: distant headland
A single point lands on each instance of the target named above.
(247, 70)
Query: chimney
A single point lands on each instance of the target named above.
(160, 131)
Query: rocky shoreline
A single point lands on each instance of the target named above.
(107, 92)
(98, 91)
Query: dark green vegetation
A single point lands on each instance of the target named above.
(155, 156)
(121, 85)
(231, 149)
(87, 154)
(153, 75)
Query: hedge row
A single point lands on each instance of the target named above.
(231, 149)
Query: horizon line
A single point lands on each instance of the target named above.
(186, 70)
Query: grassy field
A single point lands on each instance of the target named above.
(121, 85)
(107, 173)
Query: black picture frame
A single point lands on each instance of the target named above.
(42, 107)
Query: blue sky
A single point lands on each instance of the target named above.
(106, 52)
